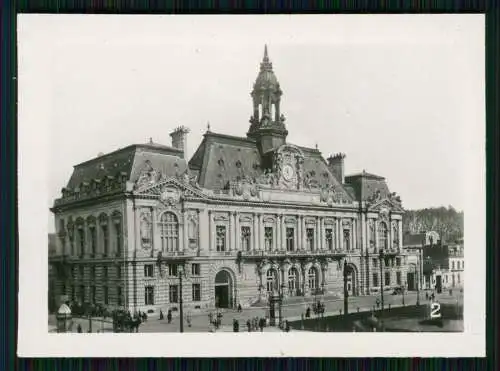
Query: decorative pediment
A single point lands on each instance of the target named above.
(246, 218)
(334, 195)
(268, 220)
(310, 221)
(385, 206)
(170, 190)
(329, 221)
(290, 219)
(221, 217)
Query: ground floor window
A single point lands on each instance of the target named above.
(272, 280)
(149, 295)
(93, 295)
(290, 239)
(173, 293)
(119, 294)
(196, 288)
(387, 278)
(82, 294)
(375, 279)
(293, 281)
(398, 278)
(106, 295)
(313, 279)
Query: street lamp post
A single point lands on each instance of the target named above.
(418, 286)
(381, 257)
(346, 293)
(181, 309)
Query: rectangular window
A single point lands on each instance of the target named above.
(375, 262)
(196, 292)
(149, 295)
(105, 272)
(82, 294)
(221, 238)
(82, 272)
(105, 240)
(93, 241)
(375, 279)
(398, 262)
(106, 295)
(387, 262)
(119, 272)
(93, 294)
(119, 295)
(245, 238)
(268, 238)
(81, 240)
(398, 278)
(387, 278)
(329, 238)
(310, 238)
(118, 236)
(93, 274)
(452, 265)
(290, 236)
(195, 269)
(149, 270)
(173, 293)
(172, 270)
(347, 239)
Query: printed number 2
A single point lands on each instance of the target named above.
(435, 310)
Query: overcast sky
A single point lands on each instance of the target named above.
(395, 93)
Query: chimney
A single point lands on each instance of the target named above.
(336, 166)
(179, 139)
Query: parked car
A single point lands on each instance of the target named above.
(398, 291)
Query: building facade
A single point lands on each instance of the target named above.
(243, 218)
(441, 265)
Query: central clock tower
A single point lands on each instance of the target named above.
(288, 164)
(267, 123)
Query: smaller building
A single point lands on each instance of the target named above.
(441, 266)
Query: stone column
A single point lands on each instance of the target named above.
(236, 231)
(400, 231)
(230, 236)
(277, 234)
(322, 233)
(211, 231)
(341, 235)
(283, 233)
(317, 243)
(389, 234)
(303, 230)
(137, 228)
(261, 232)
(184, 244)
(364, 242)
(354, 237)
(299, 233)
(255, 233)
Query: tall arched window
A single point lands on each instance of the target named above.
(118, 234)
(169, 232)
(271, 280)
(293, 281)
(312, 275)
(382, 235)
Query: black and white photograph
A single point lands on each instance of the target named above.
(293, 182)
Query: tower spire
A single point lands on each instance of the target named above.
(266, 57)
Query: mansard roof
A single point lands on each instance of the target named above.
(366, 185)
(222, 158)
(129, 161)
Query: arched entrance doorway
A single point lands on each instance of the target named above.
(223, 290)
(351, 280)
(411, 277)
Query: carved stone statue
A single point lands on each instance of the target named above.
(146, 229)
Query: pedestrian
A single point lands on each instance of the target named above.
(79, 329)
(378, 303)
(236, 325)
(188, 319)
(308, 312)
(261, 324)
(287, 326)
(211, 317)
(239, 308)
(161, 314)
(169, 316)
(426, 295)
(249, 325)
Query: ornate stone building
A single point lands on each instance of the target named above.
(245, 216)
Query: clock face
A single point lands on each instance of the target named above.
(287, 172)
